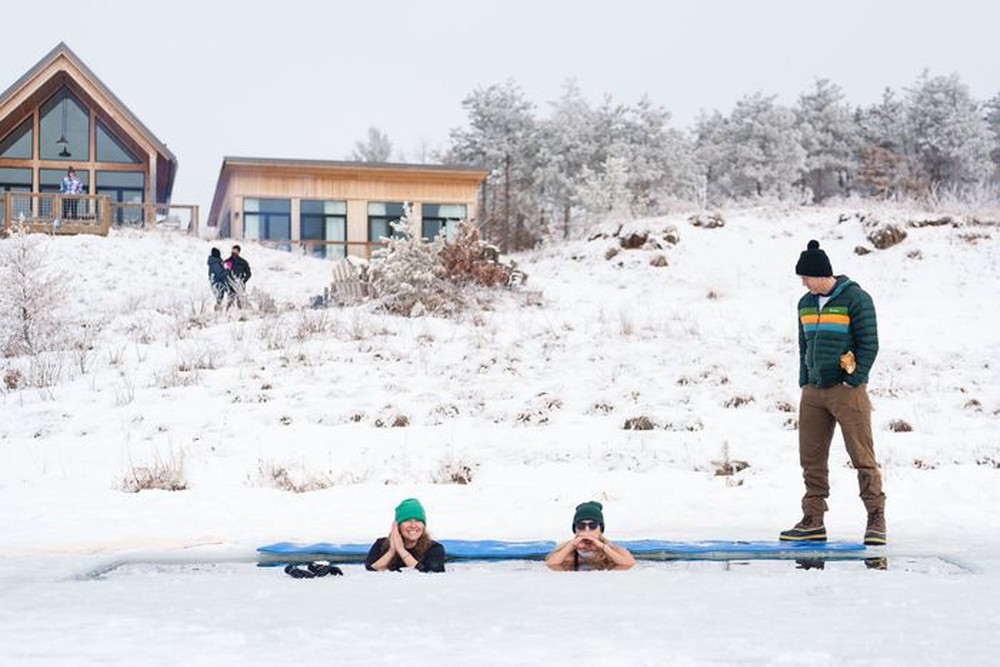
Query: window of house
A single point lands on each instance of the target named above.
(18, 144)
(324, 221)
(124, 187)
(438, 218)
(110, 149)
(15, 180)
(268, 220)
(64, 128)
(380, 214)
(49, 180)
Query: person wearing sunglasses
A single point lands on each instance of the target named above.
(589, 549)
(408, 544)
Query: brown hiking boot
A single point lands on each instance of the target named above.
(875, 530)
(810, 529)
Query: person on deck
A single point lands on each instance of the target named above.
(589, 549)
(408, 546)
(71, 185)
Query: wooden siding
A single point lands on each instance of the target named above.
(327, 186)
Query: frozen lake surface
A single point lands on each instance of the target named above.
(921, 610)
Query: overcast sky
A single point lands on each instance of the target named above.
(297, 79)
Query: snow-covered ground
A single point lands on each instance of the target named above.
(528, 400)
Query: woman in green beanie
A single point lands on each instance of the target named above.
(408, 544)
(589, 549)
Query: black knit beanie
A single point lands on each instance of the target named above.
(813, 262)
(589, 510)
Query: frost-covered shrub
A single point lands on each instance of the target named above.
(707, 220)
(408, 275)
(467, 261)
(412, 276)
(455, 472)
(12, 378)
(899, 426)
(883, 235)
(163, 474)
(286, 478)
(633, 240)
(641, 423)
(738, 401)
(30, 293)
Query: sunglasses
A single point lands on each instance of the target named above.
(586, 525)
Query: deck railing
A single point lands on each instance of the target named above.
(56, 213)
(138, 214)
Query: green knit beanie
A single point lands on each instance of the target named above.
(410, 509)
(589, 510)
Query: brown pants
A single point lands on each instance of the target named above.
(819, 411)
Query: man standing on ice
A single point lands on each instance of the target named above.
(838, 341)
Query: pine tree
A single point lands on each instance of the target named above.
(993, 120)
(952, 139)
(647, 145)
(887, 166)
(567, 141)
(830, 138)
(605, 193)
(712, 158)
(503, 137)
(757, 150)
(377, 147)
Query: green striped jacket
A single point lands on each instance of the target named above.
(847, 322)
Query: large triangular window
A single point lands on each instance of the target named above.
(18, 144)
(110, 149)
(65, 128)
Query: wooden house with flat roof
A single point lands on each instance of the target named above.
(58, 115)
(332, 209)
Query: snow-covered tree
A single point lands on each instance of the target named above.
(993, 120)
(754, 152)
(407, 274)
(830, 138)
(567, 143)
(605, 193)
(30, 293)
(376, 148)
(502, 136)
(647, 142)
(685, 176)
(887, 167)
(712, 157)
(952, 139)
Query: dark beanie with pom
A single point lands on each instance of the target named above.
(813, 262)
(591, 510)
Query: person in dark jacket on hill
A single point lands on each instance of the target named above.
(838, 342)
(218, 277)
(408, 544)
(239, 270)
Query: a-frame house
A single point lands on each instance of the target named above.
(58, 115)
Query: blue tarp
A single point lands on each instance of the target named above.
(495, 549)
